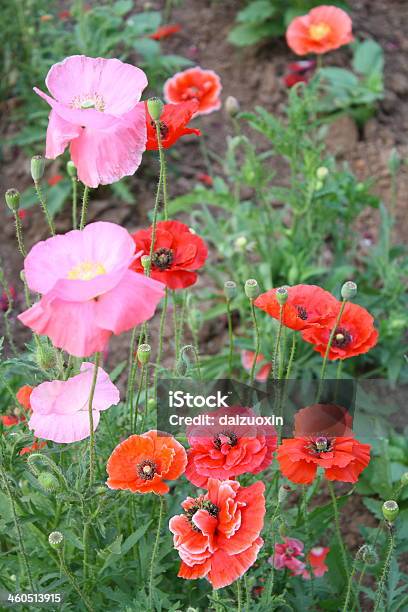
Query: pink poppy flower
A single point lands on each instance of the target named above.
(88, 291)
(60, 407)
(264, 368)
(226, 451)
(287, 555)
(95, 110)
(323, 29)
(316, 557)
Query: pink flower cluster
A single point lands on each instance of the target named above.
(289, 555)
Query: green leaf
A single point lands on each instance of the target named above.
(122, 7)
(135, 537)
(249, 33)
(340, 77)
(147, 48)
(368, 58)
(256, 12)
(144, 23)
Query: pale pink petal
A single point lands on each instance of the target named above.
(64, 429)
(106, 393)
(132, 302)
(43, 397)
(70, 325)
(119, 84)
(105, 156)
(59, 135)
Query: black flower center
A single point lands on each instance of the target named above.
(146, 469)
(321, 445)
(230, 435)
(164, 129)
(341, 337)
(201, 504)
(301, 313)
(162, 258)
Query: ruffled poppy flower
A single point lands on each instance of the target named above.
(342, 458)
(307, 306)
(9, 420)
(316, 558)
(95, 110)
(226, 451)
(36, 446)
(173, 122)
(165, 31)
(355, 334)
(299, 72)
(217, 537)
(61, 407)
(262, 370)
(327, 420)
(288, 556)
(89, 292)
(323, 29)
(195, 84)
(141, 464)
(23, 396)
(54, 180)
(177, 253)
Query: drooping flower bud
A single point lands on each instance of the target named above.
(390, 510)
(48, 481)
(282, 295)
(155, 108)
(349, 290)
(252, 289)
(230, 290)
(37, 167)
(283, 493)
(71, 169)
(367, 554)
(55, 539)
(321, 173)
(232, 106)
(145, 261)
(143, 353)
(12, 197)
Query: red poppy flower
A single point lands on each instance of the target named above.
(54, 180)
(9, 420)
(292, 79)
(165, 31)
(205, 179)
(262, 370)
(327, 420)
(316, 558)
(64, 15)
(23, 396)
(34, 447)
(226, 451)
(195, 84)
(307, 306)
(177, 253)
(173, 123)
(355, 334)
(141, 463)
(323, 29)
(4, 298)
(342, 458)
(217, 537)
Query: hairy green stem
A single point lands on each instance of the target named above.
(84, 209)
(154, 553)
(291, 356)
(277, 352)
(378, 600)
(230, 337)
(257, 341)
(19, 235)
(161, 334)
(73, 582)
(330, 342)
(337, 527)
(74, 202)
(91, 422)
(44, 206)
(239, 598)
(349, 587)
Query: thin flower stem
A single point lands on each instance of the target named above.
(74, 202)
(73, 582)
(230, 337)
(330, 342)
(8, 311)
(161, 334)
(257, 341)
(154, 552)
(308, 535)
(276, 370)
(84, 209)
(91, 422)
(19, 235)
(163, 170)
(176, 328)
(291, 357)
(44, 206)
(18, 528)
(378, 600)
(349, 587)
(337, 526)
(146, 398)
(139, 391)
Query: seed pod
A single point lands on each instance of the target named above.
(390, 510)
(12, 197)
(48, 482)
(230, 290)
(143, 353)
(349, 290)
(321, 173)
(252, 288)
(55, 539)
(146, 263)
(404, 479)
(232, 106)
(155, 107)
(37, 167)
(45, 357)
(282, 295)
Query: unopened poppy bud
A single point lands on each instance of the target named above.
(367, 554)
(321, 173)
(282, 295)
(240, 243)
(145, 261)
(37, 167)
(151, 403)
(48, 481)
(404, 479)
(232, 106)
(55, 539)
(283, 492)
(318, 185)
(100, 490)
(71, 169)
(349, 290)
(230, 290)
(143, 353)
(390, 510)
(45, 357)
(155, 108)
(251, 288)
(12, 197)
